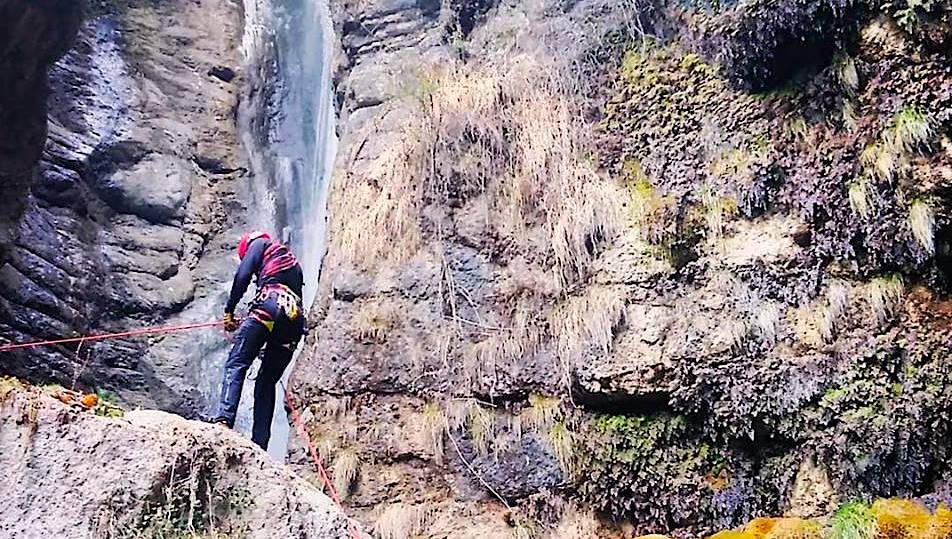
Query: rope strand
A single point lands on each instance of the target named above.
(153, 330)
(295, 418)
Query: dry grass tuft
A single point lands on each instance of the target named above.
(402, 521)
(716, 210)
(922, 224)
(543, 412)
(576, 524)
(562, 442)
(767, 322)
(331, 408)
(345, 469)
(8, 385)
(587, 323)
(860, 197)
(434, 426)
(374, 322)
(482, 428)
(510, 131)
(884, 295)
(457, 413)
(505, 346)
(832, 312)
(648, 208)
(880, 161)
(908, 131)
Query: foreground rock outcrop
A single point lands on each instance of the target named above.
(69, 473)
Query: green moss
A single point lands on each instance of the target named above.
(694, 64)
(647, 467)
(853, 520)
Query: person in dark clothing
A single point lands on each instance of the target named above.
(275, 320)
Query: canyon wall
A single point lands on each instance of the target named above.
(126, 214)
(633, 267)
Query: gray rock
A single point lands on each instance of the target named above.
(525, 467)
(111, 230)
(156, 188)
(69, 473)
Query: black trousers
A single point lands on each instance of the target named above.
(279, 344)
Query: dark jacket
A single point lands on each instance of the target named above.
(270, 262)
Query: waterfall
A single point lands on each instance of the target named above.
(288, 129)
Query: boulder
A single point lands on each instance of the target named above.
(70, 473)
(156, 188)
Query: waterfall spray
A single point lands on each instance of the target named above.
(289, 133)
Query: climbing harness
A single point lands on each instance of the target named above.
(287, 301)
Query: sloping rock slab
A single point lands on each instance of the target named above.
(69, 473)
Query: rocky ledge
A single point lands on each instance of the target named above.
(71, 473)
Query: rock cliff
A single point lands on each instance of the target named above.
(595, 268)
(69, 473)
(122, 214)
(676, 263)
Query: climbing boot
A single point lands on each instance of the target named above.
(223, 421)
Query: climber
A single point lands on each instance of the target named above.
(275, 318)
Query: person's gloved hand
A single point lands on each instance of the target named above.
(230, 322)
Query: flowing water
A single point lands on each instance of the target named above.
(289, 133)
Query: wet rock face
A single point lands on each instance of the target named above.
(34, 35)
(69, 473)
(762, 44)
(409, 342)
(138, 177)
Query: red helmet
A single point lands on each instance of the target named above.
(246, 240)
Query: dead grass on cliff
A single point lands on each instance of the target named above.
(374, 321)
(502, 347)
(509, 131)
(432, 429)
(345, 468)
(402, 521)
(586, 324)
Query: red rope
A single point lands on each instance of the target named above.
(153, 330)
(315, 455)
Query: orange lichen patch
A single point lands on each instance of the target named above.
(90, 400)
(65, 396)
(733, 534)
(795, 528)
(940, 527)
(760, 527)
(901, 519)
(885, 519)
(774, 528)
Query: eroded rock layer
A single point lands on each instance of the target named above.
(682, 265)
(69, 473)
